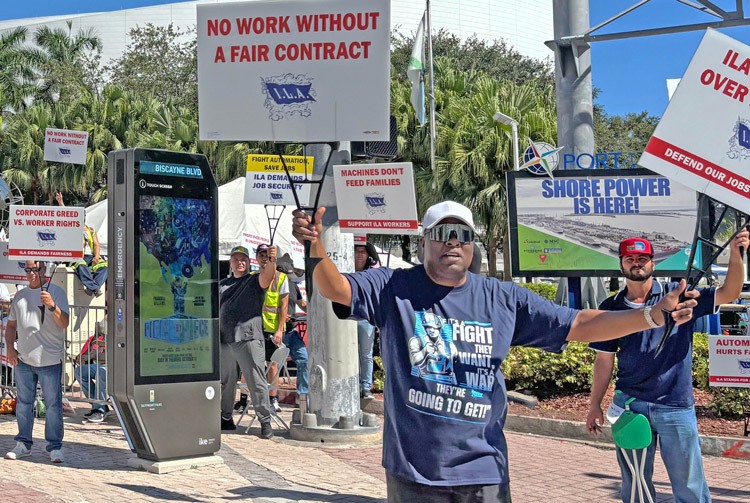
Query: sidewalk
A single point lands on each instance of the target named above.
(283, 471)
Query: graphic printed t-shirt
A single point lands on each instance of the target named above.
(240, 308)
(39, 344)
(442, 347)
(666, 379)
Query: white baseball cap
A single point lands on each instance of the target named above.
(447, 209)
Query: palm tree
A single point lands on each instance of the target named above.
(17, 70)
(62, 68)
(473, 151)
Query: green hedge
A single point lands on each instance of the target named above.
(544, 290)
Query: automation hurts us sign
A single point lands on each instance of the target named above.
(294, 70)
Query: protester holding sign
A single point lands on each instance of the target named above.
(662, 384)
(445, 398)
(37, 355)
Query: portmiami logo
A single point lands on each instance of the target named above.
(287, 95)
(541, 158)
(739, 143)
(375, 203)
(46, 237)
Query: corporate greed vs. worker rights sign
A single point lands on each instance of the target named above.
(703, 139)
(376, 198)
(294, 70)
(45, 233)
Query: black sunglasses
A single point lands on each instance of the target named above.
(32, 269)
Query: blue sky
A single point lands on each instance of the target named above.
(631, 74)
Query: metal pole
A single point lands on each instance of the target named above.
(433, 126)
(575, 108)
(514, 127)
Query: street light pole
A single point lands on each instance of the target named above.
(510, 121)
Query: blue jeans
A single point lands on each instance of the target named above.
(676, 430)
(366, 337)
(93, 281)
(298, 352)
(50, 378)
(93, 379)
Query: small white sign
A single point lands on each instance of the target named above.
(703, 138)
(11, 271)
(294, 70)
(66, 146)
(376, 198)
(729, 361)
(298, 254)
(266, 181)
(45, 233)
(251, 242)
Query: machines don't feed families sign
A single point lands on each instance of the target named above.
(376, 198)
(703, 138)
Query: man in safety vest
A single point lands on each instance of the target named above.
(275, 308)
(92, 271)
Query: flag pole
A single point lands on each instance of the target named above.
(433, 126)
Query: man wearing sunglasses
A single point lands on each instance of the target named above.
(445, 400)
(35, 340)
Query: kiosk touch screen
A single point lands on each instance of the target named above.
(175, 308)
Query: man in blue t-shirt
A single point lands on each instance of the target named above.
(444, 333)
(662, 385)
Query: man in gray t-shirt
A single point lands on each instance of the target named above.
(36, 325)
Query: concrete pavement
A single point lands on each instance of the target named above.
(282, 471)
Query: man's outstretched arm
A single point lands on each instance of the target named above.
(592, 325)
(328, 280)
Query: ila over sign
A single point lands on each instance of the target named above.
(703, 139)
(297, 70)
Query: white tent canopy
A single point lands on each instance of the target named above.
(235, 217)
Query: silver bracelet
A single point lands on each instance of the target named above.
(649, 319)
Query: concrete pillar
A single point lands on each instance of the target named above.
(575, 103)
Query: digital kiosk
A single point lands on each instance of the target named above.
(163, 303)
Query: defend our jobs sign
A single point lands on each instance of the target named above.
(45, 233)
(572, 225)
(703, 138)
(266, 181)
(729, 361)
(376, 198)
(11, 271)
(296, 71)
(62, 145)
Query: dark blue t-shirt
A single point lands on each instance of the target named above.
(445, 398)
(666, 379)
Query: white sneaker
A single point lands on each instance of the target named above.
(56, 456)
(18, 452)
(275, 405)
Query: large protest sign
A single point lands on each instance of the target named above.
(267, 183)
(294, 70)
(11, 271)
(572, 225)
(45, 233)
(62, 145)
(703, 138)
(729, 361)
(376, 198)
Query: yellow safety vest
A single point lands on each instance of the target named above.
(88, 235)
(272, 303)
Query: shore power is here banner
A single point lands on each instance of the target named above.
(572, 225)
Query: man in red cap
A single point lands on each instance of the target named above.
(662, 385)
